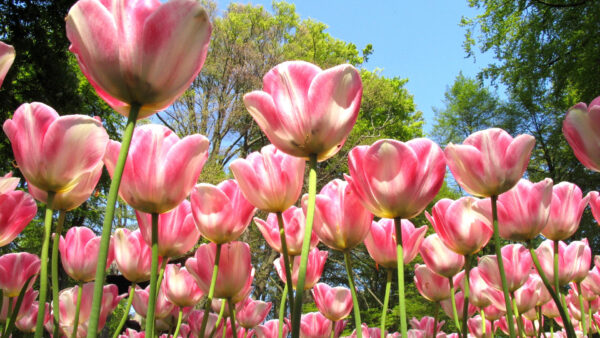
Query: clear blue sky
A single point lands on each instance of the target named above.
(420, 40)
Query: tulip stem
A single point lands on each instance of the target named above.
(538, 310)
(590, 319)
(219, 319)
(436, 312)
(483, 326)
(9, 312)
(286, 259)
(176, 334)
(453, 301)
(77, 309)
(55, 286)
(161, 274)
(153, 278)
(39, 326)
(553, 294)
(556, 279)
(126, 313)
(400, 262)
(332, 335)
(466, 296)
(518, 317)
(498, 248)
(282, 311)
(357, 320)
(232, 316)
(386, 299)
(107, 223)
(10, 323)
(310, 213)
(583, 326)
(211, 291)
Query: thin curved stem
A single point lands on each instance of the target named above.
(39, 326)
(286, 259)
(436, 312)
(77, 309)
(161, 273)
(282, 311)
(232, 316)
(400, 262)
(583, 326)
(126, 313)
(219, 318)
(176, 334)
(153, 278)
(310, 213)
(10, 324)
(518, 317)
(386, 299)
(211, 291)
(466, 296)
(356, 309)
(107, 224)
(55, 286)
(453, 301)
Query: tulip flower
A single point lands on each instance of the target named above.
(306, 111)
(460, 302)
(580, 129)
(7, 56)
(517, 266)
(591, 284)
(246, 289)
(180, 287)
(17, 209)
(221, 212)
(177, 232)
(8, 183)
(475, 325)
(381, 242)
(234, 268)
(523, 211)
(144, 54)
(426, 324)
(249, 313)
(528, 326)
(316, 263)
(573, 260)
(439, 258)
(395, 179)
(527, 296)
(270, 179)
(195, 319)
(493, 313)
(270, 329)
(464, 225)
(334, 303)
(28, 300)
(315, 325)
(26, 323)
(294, 222)
(15, 270)
(79, 253)
(595, 205)
(140, 302)
(566, 209)
(161, 169)
(481, 294)
(489, 162)
(132, 255)
(432, 286)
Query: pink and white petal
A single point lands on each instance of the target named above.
(7, 56)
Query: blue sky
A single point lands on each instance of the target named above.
(419, 40)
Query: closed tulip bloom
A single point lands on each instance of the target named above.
(475, 327)
(528, 326)
(566, 209)
(314, 325)
(580, 128)
(17, 209)
(28, 300)
(28, 316)
(140, 302)
(573, 260)
(439, 258)
(489, 162)
(79, 253)
(426, 324)
(306, 111)
(523, 211)
(129, 333)
(271, 180)
(591, 284)
(314, 269)
(221, 212)
(249, 313)
(395, 179)
(180, 287)
(480, 292)
(161, 169)
(432, 286)
(527, 296)
(54, 153)
(145, 53)
(595, 205)
(517, 266)
(460, 303)
(195, 322)
(7, 56)
(493, 312)
(15, 269)
(341, 222)
(334, 303)
(464, 225)
(8, 183)
(234, 268)
(177, 232)
(381, 242)
(132, 255)
(270, 329)
(294, 222)
(246, 289)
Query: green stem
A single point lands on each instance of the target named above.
(466, 296)
(498, 247)
(153, 278)
(556, 279)
(400, 262)
(77, 309)
(13, 317)
(107, 225)
(332, 335)
(219, 319)
(386, 299)
(161, 273)
(583, 327)
(224, 334)
(282, 311)
(453, 301)
(211, 291)
(232, 316)
(176, 334)
(55, 285)
(310, 213)
(286, 259)
(590, 318)
(519, 318)
(538, 310)
(126, 313)
(8, 314)
(483, 328)
(356, 309)
(436, 312)
(39, 326)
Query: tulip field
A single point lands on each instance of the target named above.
(503, 258)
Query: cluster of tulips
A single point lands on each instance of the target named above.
(140, 56)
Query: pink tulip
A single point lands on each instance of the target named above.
(493, 312)
(590, 286)
(439, 258)
(381, 242)
(528, 326)
(270, 329)
(523, 211)
(177, 233)
(341, 222)
(26, 323)
(294, 222)
(426, 324)
(572, 301)
(314, 269)
(195, 322)
(481, 294)
(550, 310)
(489, 162)
(573, 260)
(54, 153)
(17, 209)
(28, 300)
(528, 296)
(7, 56)
(432, 286)
(306, 111)
(315, 325)
(464, 225)
(517, 266)
(334, 303)
(250, 313)
(79, 253)
(595, 205)
(132, 255)
(129, 333)
(161, 168)
(234, 268)
(460, 303)
(180, 287)
(566, 209)
(8, 183)
(270, 179)
(140, 302)
(475, 327)
(139, 53)
(221, 212)
(395, 179)
(246, 289)
(15, 269)
(580, 128)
